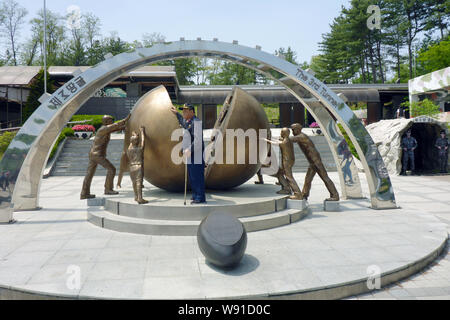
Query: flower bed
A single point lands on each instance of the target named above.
(84, 128)
(84, 131)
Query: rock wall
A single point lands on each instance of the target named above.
(387, 135)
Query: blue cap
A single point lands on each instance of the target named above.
(187, 106)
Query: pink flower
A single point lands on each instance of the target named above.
(84, 128)
(314, 125)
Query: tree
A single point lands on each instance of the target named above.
(55, 37)
(395, 38)
(287, 54)
(425, 107)
(12, 17)
(413, 18)
(439, 16)
(36, 91)
(435, 57)
(91, 25)
(149, 39)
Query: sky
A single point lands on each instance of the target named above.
(270, 24)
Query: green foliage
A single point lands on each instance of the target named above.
(358, 106)
(94, 120)
(349, 142)
(435, 57)
(287, 54)
(272, 112)
(36, 91)
(5, 140)
(422, 108)
(352, 53)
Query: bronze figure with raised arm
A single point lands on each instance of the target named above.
(288, 161)
(135, 157)
(97, 156)
(315, 163)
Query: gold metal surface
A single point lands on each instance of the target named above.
(240, 111)
(153, 113)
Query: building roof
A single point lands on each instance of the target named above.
(432, 82)
(17, 76)
(22, 75)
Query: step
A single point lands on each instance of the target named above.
(114, 222)
(157, 211)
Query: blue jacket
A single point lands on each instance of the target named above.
(193, 138)
(409, 143)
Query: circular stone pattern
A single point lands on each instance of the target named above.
(222, 239)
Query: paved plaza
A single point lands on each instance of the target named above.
(313, 258)
(432, 283)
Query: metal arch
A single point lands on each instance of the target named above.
(29, 151)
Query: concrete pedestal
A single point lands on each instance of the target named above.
(96, 202)
(331, 206)
(297, 204)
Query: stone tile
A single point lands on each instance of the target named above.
(435, 298)
(174, 288)
(113, 289)
(24, 259)
(426, 292)
(86, 243)
(400, 293)
(172, 267)
(179, 251)
(130, 253)
(60, 274)
(120, 240)
(36, 246)
(17, 275)
(382, 295)
(172, 241)
(67, 257)
(118, 270)
(237, 287)
(321, 258)
(368, 256)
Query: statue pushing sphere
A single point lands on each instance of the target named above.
(153, 112)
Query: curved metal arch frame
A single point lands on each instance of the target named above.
(29, 151)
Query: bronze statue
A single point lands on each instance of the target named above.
(135, 155)
(286, 189)
(288, 161)
(97, 156)
(315, 164)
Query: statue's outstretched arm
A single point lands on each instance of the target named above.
(119, 125)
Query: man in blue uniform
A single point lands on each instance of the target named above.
(193, 148)
(409, 144)
(442, 145)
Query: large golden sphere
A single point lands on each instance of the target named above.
(152, 111)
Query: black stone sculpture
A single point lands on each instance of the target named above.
(222, 240)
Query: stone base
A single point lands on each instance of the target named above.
(297, 204)
(331, 206)
(96, 202)
(258, 207)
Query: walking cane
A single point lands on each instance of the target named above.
(185, 180)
